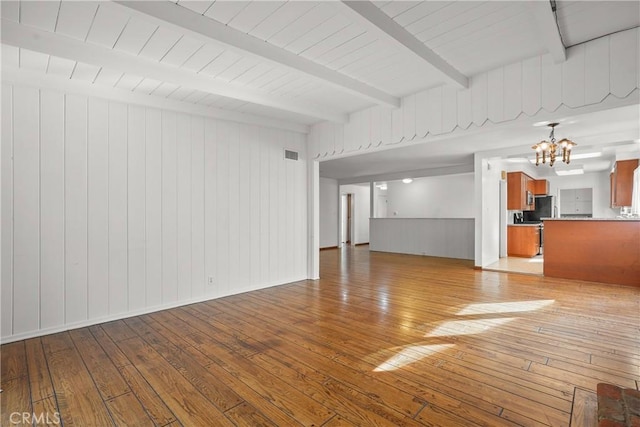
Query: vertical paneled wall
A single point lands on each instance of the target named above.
(111, 209)
(606, 69)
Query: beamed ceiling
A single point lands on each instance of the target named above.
(287, 63)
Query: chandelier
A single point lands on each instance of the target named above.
(549, 149)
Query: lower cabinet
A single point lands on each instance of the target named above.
(523, 240)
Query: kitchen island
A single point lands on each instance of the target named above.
(598, 250)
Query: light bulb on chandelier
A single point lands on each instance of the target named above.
(549, 149)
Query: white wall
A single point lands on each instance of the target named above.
(110, 210)
(361, 212)
(487, 209)
(599, 74)
(446, 196)
(441, 237)
(328, 212)
(599, 182)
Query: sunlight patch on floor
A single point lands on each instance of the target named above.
(405, 355)
(467, 327)
(504, 307)
(410, 354)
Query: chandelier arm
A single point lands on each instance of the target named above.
(550, 148)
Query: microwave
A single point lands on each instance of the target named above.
(530, 200)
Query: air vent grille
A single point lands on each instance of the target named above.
(291, 155)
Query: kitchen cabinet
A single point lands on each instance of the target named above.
(540, 187)
(604, 250)
(621, 181)
(576, 202)
(520, 189)
(523, 240)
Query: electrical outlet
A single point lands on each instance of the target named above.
(210, 280)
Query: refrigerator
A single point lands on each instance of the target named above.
(544, 209)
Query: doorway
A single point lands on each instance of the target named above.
(346, 222)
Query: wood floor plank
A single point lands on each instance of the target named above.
(118, 330)
(585, 409)
(152, 403)
(126, 410)
(110, 348)
(78, 398)
(13, 361)
(103, 372)
(313, 383)
(458, 391)
(380, 339)
(208, 385)
(180, 396)
(344, 371)
(246, 415)
(14, 400)
(39, 377)
(292, 401)
(46, 412)
(57, 342)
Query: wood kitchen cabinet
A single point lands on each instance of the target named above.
(520, 190)
(523, 240)
(621, 181)
(540, 187)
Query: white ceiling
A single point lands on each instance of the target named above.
(614, 132)
(297, 62)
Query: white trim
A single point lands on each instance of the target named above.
(313, 219)
(389, 29)
(34, 79)
(170, 15)
(126, 315)
(548, 29)
(66, 47)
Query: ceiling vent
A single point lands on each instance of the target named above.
(291, 155)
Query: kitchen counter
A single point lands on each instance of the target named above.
(599, 250)
(538, 224)
(592, 219)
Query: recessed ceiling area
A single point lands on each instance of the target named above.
(293, 64)
(611, 132)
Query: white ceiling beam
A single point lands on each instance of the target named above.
(65, 47)
(14, 75)
(548, 29)
(207, 30)
(385, 26)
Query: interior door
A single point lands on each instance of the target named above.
(349, 232)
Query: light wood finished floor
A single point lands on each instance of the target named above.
(382, 339)
(512, 264)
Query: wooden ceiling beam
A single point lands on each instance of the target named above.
(207, 30)
(40, 80)
(548, 29)
(66, 47)
(384, 26)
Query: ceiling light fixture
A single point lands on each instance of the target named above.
(570, 172)
(549, 148)
(407, 180)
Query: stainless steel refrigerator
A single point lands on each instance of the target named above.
(544, 209)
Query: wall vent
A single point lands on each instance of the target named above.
(291, 155)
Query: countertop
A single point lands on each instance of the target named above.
(592, 219)
(525, 225)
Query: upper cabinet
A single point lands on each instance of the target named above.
(520, 191)
(577, 202)
(540, 187)
(621, 180)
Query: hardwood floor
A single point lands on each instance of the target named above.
(382, 339)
